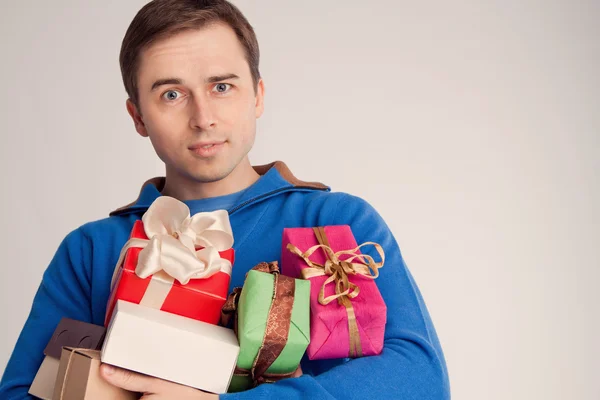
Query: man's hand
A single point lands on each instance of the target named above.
(151, 388)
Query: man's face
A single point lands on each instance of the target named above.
(197, 103)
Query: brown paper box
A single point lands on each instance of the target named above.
(71, 333)
(43, 384)
(79, 378)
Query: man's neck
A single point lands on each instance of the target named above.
(183, 188)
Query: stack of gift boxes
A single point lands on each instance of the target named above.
(170, 316)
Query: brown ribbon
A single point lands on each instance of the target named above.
(277, 329)
(337, 272)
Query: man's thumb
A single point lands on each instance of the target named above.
(127, 380)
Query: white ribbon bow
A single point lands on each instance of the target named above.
(171, 251)
(174, 236)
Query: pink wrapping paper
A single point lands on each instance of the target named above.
(329, 336)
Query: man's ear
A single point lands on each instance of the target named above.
(140, 127)
(260, 98)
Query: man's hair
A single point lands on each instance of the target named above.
(161, 19)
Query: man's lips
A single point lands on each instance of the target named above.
(205, 145)
(206, 149)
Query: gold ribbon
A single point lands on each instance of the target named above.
(338, 271)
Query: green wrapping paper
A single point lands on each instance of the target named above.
(253, 310)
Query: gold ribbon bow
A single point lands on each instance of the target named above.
(338, 271)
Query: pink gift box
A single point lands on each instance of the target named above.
(329, 332)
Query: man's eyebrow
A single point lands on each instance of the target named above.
(168, 81)
(177, 81)
(219, 78)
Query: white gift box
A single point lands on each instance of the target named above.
(171, 347)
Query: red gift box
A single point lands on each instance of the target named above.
(199, 299)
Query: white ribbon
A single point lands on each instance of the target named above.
(171, 251)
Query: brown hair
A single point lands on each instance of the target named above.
(161, 19)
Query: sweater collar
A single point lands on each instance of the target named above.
(275, 177)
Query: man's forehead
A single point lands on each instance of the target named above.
(215, 40)
(211, 50)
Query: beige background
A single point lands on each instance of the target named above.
(472, 126)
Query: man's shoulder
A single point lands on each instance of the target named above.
(337, 207)
(338, 198)
(103, 231)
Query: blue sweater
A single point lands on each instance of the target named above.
(411, 366)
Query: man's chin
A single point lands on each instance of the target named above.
(210, 176)
(210, 171)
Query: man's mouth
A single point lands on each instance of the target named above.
(206, 149)
(206, 145)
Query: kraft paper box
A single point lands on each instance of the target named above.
(171, 347)
(79, 378)
(200, 299)
(69, 333)
(330, 327)
(255, 304)
(43, 384)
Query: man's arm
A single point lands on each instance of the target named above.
(412, 364)
(64, 292)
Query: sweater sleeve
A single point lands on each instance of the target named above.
(63, 292)
(412, 364)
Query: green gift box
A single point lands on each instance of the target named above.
(272, 324)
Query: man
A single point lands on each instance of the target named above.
(190, 68)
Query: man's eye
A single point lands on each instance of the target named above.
(222, 87)
(171, 95)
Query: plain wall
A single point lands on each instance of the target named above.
(473, 127)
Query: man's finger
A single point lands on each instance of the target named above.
(128, 380)
(297, 373)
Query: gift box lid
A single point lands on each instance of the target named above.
(75, 334)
